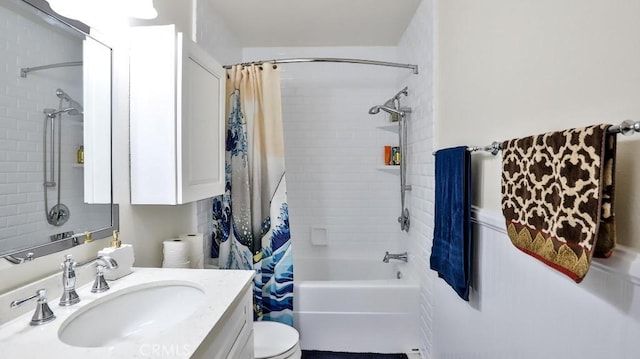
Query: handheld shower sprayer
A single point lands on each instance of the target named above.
(59, 213)
(392, 105)
(402, 112)
(398, 114)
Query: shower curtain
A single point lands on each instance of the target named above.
(251, 219)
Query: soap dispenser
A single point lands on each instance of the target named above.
(123, 255)
(115, 240)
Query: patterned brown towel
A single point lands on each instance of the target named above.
(558, 196)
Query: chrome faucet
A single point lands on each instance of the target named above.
(69, 295)
(43, 313)
(399, 256)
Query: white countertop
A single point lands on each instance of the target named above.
(18, 339)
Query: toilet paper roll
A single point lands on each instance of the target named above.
(175, 253)
(196, 248)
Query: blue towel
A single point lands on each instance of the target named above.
(451, 251)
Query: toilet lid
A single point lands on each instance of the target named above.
(272, 338)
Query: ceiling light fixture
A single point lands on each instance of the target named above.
(142, 9)
(85, 10)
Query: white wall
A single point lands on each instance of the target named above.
(520, 308)
(508, 69)
(512, 69)
(334, 151)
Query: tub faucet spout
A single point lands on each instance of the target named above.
(399, 256)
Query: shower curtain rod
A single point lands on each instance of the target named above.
(341, 60)
(25, 70)
(626, 128)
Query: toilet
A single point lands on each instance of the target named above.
(273, 340)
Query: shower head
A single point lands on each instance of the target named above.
(375, 109)
(72, 103)
(63, 95)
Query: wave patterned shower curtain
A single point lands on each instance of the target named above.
(251, 219)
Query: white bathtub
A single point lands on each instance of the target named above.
(354, 306)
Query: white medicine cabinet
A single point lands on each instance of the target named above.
(177, 118)
(96, 160)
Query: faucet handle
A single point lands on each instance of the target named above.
(18, 302)
(43, 313)
(100, 284)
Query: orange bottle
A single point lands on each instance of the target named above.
(387, 155)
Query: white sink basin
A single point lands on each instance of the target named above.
(131, 313)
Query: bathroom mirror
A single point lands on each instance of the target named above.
(55, 132)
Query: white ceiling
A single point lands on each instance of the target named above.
(276, 23)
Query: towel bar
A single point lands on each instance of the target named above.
(627, 128)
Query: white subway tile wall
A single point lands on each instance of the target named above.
(204, 224)
(214, 36)
(22, 102)
(416, 46)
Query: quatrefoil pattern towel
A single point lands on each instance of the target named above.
(558, 196)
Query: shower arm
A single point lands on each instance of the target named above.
(404, 91)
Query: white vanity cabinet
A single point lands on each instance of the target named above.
(232, 336)
(217, 324)
(177, 125)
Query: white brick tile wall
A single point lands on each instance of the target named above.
(416, 46)
(214, 36)
(22, 101)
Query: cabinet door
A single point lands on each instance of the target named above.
(97, 121)
(201, 147)
(232, 335)
(177, 118)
